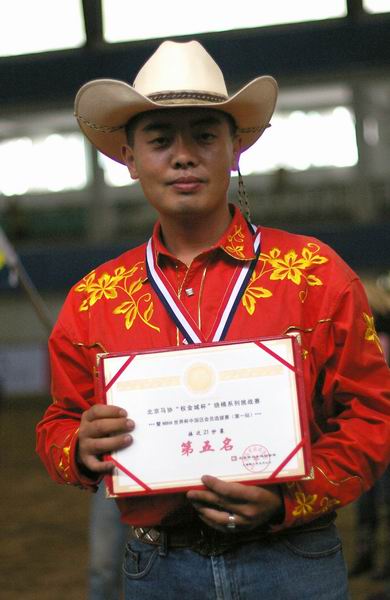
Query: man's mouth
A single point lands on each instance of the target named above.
(186, 184)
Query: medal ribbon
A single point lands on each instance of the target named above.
(178, 312)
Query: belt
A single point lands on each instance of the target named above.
(210, 542)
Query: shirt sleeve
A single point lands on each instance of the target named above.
(350, 440)
(72, 393)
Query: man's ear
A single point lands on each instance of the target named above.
(236, 153)
(129, 161)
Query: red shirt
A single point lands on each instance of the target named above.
(299, 285)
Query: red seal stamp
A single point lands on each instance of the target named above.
(256, 458)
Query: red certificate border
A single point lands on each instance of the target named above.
(303, 444)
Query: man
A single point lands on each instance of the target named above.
(179, 133)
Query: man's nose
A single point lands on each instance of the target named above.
(183, 152)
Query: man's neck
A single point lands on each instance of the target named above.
(187, 237)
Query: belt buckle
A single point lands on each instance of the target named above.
(147, 535)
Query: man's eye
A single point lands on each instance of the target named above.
(207, 136)
(160, 141)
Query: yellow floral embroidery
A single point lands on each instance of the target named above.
(287, 267)
(370, 333)
(304, 504)
(292, 267)
(108, 286)
(62, 455)
(328, 504)
(308, 505)
(131, 308)
(236, 246)
(63, 465)
(252, 293)
(305, 353)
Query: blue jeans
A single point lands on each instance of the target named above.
(291, 567)
(107, 540)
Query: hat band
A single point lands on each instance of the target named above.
(176, 97)
(100, 128)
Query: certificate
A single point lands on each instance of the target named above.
(233, 410)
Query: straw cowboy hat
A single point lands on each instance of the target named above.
(176, 75)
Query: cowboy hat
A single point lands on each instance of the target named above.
(176, 75)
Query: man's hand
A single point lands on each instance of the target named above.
(251, 506)
(103, 429)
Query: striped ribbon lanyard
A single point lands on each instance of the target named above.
(178, 312)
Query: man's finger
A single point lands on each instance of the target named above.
(105, 445)
(104, 411)
(98, 466)
(105, 427)
(205, 497)
(234, 492)
(218, 517)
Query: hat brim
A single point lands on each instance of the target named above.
(103, 107)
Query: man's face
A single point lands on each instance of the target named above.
(183, 158)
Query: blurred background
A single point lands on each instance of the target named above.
(323, 168)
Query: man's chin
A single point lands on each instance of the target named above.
(188, 204)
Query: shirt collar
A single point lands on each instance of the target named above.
(236, 241)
